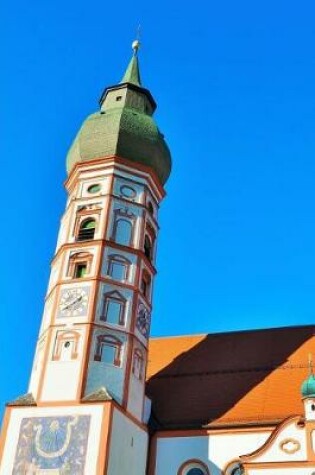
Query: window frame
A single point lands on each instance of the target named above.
(79, 258)
(128, 216)
(112, 258)
(145, 284)
(80, 237)
(101, 342)
(190, 464)
(61, 338)
(138, 359)
(116, 297)
(149, 235)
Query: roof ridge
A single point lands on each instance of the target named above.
(228, 332)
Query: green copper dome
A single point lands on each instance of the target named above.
(308, 387)
(123, 127)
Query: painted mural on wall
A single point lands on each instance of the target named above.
(52, 445)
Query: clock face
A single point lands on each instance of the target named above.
(73, 302)
(143, 320)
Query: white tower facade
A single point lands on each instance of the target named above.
(86, 401)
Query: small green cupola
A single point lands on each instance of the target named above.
(308, 387)
(124, 127)
(308, 393)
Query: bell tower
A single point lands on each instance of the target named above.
(85, 412)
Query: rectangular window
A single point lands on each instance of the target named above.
(80, 270)
(108, 354)
(123, 231)
(113, 311)
(118, 271)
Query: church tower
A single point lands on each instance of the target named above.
(86, 412)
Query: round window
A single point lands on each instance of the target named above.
(67, 344)
(127, 191)
(193, 467)
(195, 471)
(94, 188)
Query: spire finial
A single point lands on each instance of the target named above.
(132, 74)
(310, 364)
(136, 43)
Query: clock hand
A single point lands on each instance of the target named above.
(78, 299)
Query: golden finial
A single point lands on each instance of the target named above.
(310, 363)
(136, 44)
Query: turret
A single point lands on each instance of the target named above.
(308, 397)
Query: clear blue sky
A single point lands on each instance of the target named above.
(234, 82)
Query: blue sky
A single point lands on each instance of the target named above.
(234, 82)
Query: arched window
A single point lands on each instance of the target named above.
(118, 267)
(149, 241)
(237, 471)
(108, 350)
(66, 346)
(150, 208)
(193, 467)
(86, 230)
(146, 284)
(234, 468)
(80, 265)
(113, 308)
(148, 247)
(123, 231)
(138, 364)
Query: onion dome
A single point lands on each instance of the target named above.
(124, 127)
(308, 387)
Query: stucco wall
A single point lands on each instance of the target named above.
(284, 471)
(216, 451)
(128, 447)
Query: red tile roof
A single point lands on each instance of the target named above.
(250, 377)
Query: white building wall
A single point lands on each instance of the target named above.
(275, 452)
(216, 451)
(62, 376)
(61, 381)
(284, 471)
(62, 235)
(128, 447)
(135, 399)
(309, 407)
(55, 269)
(227, 447)
(37, 366)
(47, 315)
